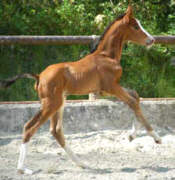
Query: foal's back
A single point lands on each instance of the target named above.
(80, 77)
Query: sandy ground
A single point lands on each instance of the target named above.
(109, 155)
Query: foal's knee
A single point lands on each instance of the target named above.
(132, 103)
(134, 94)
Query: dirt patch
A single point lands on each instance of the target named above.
(109, 155)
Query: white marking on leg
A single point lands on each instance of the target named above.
(22, 157)
(135, 127)
(73, 157)
(66, 148)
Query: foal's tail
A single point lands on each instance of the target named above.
(8, 82)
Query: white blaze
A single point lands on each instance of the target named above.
(149, 36)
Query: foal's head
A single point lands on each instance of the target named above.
(134, 31)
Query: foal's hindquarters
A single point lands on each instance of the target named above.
(52, 101)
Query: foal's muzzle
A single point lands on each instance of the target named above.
(150, 41)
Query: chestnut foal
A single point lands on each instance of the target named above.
(99, 71)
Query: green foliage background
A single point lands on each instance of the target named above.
(148, 71)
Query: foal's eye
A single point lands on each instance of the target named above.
(136, 27)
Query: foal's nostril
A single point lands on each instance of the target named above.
(150, 41)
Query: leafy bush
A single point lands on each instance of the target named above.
(148, 71)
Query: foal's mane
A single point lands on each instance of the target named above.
(106, 30)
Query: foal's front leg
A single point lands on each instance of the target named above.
(135, 124)
(135, 127)
(133, 103)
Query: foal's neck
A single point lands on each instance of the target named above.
(112, 45)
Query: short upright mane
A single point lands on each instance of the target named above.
(105, 31)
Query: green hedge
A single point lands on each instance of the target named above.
(148, 71)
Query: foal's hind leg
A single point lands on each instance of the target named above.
(49, 107)
(56, 129)
(133, 103)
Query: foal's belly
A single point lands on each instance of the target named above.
(81, 87)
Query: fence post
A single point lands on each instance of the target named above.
(93, 96)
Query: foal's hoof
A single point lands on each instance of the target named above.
(158, 141)
(83, 166)
(25, 171)
(131, 138)
(20, 171)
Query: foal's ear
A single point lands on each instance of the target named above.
(129, 11)
(129, 14)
